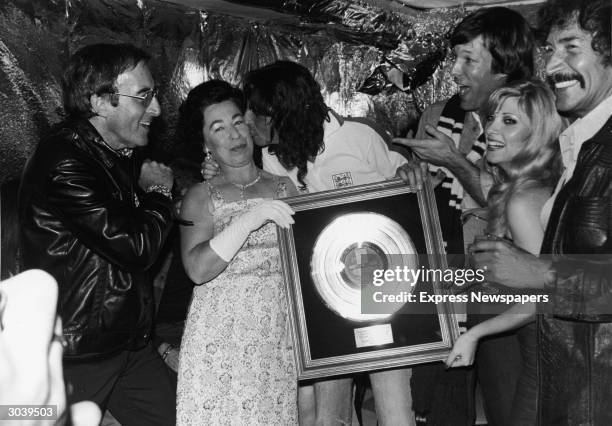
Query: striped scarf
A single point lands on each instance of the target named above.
(451, 124)
(449, 195)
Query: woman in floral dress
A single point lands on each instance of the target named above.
(236, 362)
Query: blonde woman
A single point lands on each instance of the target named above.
(523, 151)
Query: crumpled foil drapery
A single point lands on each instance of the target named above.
(342, 42)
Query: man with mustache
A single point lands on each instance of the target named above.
(575, 331)
(492, 46)
(95, 217)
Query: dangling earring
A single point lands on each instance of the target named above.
(208, 156)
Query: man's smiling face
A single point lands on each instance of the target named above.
(126, 125)
(576, 72)
(472, 71)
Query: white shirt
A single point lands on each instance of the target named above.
(354, 154)
(570, 142)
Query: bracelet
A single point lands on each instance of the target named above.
(161, 189)
(167, 351)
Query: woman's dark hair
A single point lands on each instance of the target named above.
(289, 94)
(593, 16)
(93, 70)
(191, 112)
(507, 36)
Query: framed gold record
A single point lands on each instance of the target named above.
(336, 259)
(331, 256)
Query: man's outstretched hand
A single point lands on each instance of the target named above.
(439, 150)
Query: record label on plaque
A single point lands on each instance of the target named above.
(374, 335)
(337, 255)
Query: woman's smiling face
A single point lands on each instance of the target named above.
(507, 131)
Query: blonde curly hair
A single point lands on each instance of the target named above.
(538, 165)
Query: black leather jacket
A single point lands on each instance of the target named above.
(86, 222)
(575, 337)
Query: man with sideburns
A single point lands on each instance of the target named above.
(95, 217)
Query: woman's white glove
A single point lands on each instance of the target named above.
(228, 242)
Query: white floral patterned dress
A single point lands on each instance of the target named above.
(236, 362)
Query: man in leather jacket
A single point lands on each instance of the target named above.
(575, 326)
(95, 218)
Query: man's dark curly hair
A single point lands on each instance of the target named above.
(593, 16)
(289, 94)
(191, 112)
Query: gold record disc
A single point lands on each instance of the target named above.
(337, 254)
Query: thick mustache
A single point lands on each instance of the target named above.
(561, 77)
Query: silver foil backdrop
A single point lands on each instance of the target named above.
(348, 45)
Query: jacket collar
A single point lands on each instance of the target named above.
(89, 138)
(604, 135)
(582, 130)
(88, 132)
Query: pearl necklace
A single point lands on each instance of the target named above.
(245, 186)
